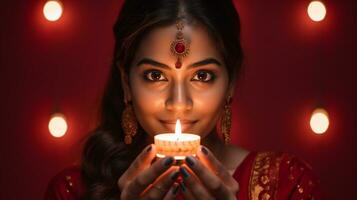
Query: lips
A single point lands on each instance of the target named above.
(171, 125)
(182, 121)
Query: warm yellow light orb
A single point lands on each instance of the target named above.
(52, 10)
(316, 11)
(57, 125)
(319, 121)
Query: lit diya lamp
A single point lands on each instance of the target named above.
(179, 145)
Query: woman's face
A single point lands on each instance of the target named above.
(161, 93)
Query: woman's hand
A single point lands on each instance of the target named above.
(207, 178)
(145, 181)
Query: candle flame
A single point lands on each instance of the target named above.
(178, 129)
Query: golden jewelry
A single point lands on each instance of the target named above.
(226, 122)
(129, 124)
(180, 47)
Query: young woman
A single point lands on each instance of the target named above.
(176, 59)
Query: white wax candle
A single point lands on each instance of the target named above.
(179, 145)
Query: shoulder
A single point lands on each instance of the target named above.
(281, 175)
(234, 157)
(67, 184)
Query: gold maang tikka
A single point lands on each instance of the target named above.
(180, 46)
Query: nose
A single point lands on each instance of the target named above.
(179, 99)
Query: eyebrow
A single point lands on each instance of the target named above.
(206, 61)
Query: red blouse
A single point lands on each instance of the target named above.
(261, 176)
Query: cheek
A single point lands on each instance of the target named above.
(145, 99)
(209, 106)
(210, 101)
(147, 104)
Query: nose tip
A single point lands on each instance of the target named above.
(179, 105)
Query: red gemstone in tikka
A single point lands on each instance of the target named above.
(180, 47)
(178, 64)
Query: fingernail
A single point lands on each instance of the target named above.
(204, 151)
(175, 190)
(175, 175)
(183, 187)
(168, 161)
(184, 172)
(190, 161)
(149, 148)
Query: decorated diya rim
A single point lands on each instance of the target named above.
(171, 137)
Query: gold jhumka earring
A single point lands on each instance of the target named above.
(129, 123)
(180, 47)
(226, 122)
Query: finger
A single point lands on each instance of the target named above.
(162, 185)
(141, 162)
(148, 176)
(194, 186)
(172, 193)
(186, 193)
(207, 157)
(211, 181)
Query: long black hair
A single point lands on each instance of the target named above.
(105, 156)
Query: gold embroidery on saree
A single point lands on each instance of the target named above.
(264, 176)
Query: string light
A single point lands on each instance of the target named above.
(316, 11)
(53, 10)
(319, 121)
(57, 125)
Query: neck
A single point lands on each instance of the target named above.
(214, 144)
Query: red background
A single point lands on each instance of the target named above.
(291, 63)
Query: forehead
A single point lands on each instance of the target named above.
(157, 44)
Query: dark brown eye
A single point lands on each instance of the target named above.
(204, 76)
(154, 75)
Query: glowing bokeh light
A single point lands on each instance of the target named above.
(316, 11)
(319, 121)
(57, 125)
(52, 10)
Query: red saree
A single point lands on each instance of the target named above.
(261, 176)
